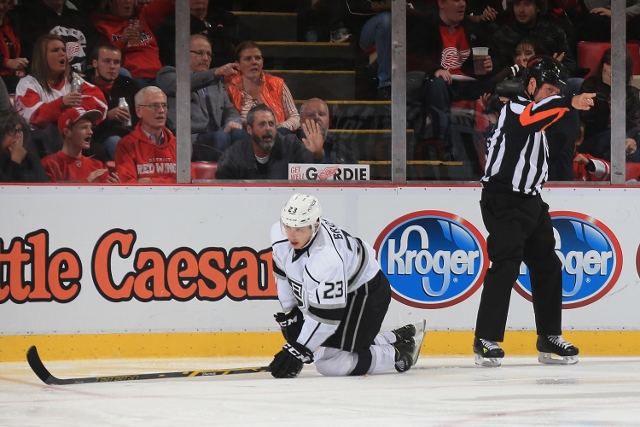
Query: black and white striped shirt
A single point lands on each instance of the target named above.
(518, 150)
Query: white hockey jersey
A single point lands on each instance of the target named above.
(41, 108)
(319, 277)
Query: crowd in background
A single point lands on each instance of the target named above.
(88, 88)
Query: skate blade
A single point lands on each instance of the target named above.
(421, 330)
(554, 359)
(491, 362)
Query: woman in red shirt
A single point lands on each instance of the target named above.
(131, 28)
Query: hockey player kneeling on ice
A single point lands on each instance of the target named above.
(334, 298)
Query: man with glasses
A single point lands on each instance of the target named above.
(148, 153)
(215, 122)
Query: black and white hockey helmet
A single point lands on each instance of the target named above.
(300, 211)
(546, 69)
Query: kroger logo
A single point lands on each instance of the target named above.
(433, 259)
(591, 259)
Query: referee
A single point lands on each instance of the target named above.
(517, 219)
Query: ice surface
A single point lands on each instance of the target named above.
(437, 392)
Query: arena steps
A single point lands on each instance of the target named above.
(340, 74)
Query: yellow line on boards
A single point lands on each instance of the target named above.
(266, 344)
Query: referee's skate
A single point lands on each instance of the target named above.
(488, 353)
(554, 350)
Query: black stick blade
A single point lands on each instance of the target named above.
(38, 367)
(41, 371)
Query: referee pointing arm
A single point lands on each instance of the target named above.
(517, 219)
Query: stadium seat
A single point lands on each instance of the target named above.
(589, 54)
(632, 171)
(204, 170)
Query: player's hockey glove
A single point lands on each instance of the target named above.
(288, 362)
(290, 323)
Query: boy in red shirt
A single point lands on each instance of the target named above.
(68, 164)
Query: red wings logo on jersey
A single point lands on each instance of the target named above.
(452, 58)
(327, 173)
(73, 48)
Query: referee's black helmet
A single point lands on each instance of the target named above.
(546, 69)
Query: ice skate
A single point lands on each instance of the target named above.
(421, 331)
(404, 332)
(488, 353)
(404, 354)
(556, 351)
(408, 349)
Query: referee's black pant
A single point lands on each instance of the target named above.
(519, 230)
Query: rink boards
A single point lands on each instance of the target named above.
(90, 271)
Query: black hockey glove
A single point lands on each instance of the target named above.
(290, 323)
(288, 362)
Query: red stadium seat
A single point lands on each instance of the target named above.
(632, 171)
(589, 54)
(204, 170)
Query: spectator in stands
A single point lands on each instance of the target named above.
(215, 122)
(131, 28)
(509, 80)
(12, 64)
(314, 114)
(372, 21)
(148, 154)
(43, 95)
(487, 10)
(217, 24)
(529, 21)
(597, 122)
(56, 17)
(442, 49)
(68, 164)
(589, 168)
(252, 86)
(106, 63)
(595, 20)
(632, 142)
(17, 162)
(337, 19)
(267, 153)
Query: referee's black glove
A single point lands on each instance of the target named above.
(288, 362)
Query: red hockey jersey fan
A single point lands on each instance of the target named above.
(139, 157)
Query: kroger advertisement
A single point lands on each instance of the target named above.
(179, 259)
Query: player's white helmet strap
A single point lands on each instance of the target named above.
(300, 211)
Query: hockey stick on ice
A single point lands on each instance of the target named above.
(43, 373)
